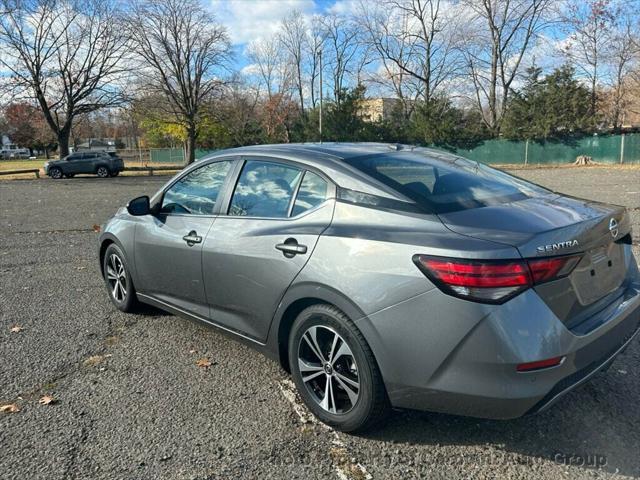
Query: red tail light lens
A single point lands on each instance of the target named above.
(491, 281)
(546, 269)
(539, 365)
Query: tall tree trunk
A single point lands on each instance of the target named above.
(63, 142)
(190, 145)
(593, 95)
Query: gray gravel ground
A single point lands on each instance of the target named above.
(132, 404)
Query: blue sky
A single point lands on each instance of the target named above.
(247, 20)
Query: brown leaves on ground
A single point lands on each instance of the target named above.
(204, 363)
(96, 228)
(47, 400)
(10, 408)
(94, 360)
(16, 329)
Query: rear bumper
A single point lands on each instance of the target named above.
(628, 331)
(442, 354)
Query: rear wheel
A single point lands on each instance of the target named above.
(335, 371)
(55, 173)
(102, 172)
(118, 280)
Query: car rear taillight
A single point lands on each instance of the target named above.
(551, 268)
(492, 281)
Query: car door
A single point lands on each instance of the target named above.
(168, 244)
(274, 217)
(85, 163)
(74, 163)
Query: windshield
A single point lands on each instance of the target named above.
(445, 184)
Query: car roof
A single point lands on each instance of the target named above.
(330, 159)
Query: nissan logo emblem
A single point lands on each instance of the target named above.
(613, 227)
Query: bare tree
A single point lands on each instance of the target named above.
(500, 33)
(271, 65)
(589, 24)
(65, 55)
(237, 110)
(414, 39)
(184, 53)
(294, 38)
(623, 54)
(341, 49)
(278, 76)
(316, 38)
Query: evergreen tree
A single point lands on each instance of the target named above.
(554, 107)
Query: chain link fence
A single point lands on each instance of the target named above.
(608, 149)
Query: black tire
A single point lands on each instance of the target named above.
(55, 173)
(115, 174)
(372, 404)
(127, 302)
(70, 175)
(102, 171)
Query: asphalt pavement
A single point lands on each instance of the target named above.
(130, 401)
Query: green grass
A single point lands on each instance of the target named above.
(17, 164)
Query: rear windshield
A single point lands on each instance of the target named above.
(445, 184)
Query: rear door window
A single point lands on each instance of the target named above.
(265, 189)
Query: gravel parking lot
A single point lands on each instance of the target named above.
(131, 403)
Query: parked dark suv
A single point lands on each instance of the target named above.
(102, 164)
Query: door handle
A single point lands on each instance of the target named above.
(290, 248)
(192, 238)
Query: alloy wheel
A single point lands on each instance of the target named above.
(103, 172)
(56, 173)
(328, 369)
(117, 278)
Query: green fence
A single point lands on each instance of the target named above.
(602, 148)
(174, 156)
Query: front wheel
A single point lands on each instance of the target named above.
(335, 371)
(118, 279)
(55, 173)
(102, 172)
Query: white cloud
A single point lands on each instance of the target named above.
(247, 20)
(341, 7)
(251, 69)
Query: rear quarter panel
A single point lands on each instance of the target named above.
(367, 254)
(363, 264)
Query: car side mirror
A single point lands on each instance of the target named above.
(139, 206)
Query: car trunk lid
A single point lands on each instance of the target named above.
(553, 225)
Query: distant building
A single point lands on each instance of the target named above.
(378, 109)
(97, 145)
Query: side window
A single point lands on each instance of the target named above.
(264, 189)
(312, 192)
(196, 193)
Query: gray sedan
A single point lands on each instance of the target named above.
(386, 275)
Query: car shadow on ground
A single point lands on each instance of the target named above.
(592, 427)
